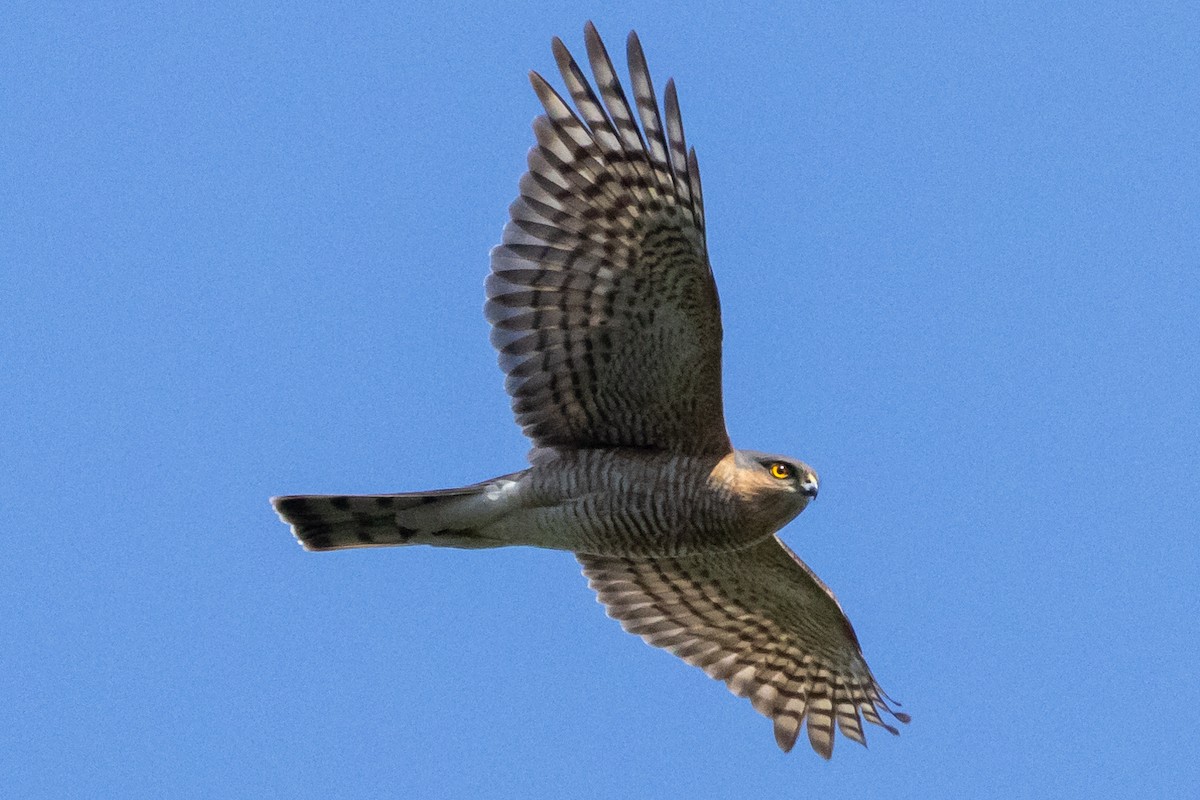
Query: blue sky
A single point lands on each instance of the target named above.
(243, 250)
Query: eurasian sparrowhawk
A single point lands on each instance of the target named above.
(605, 313)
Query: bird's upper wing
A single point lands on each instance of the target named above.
(761, 621)
(601, 297)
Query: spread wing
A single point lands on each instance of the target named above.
(761, 621)
(601, 297)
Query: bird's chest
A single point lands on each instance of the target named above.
(648, 509)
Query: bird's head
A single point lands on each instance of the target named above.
(780, 487)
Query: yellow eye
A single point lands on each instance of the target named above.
(781, 470)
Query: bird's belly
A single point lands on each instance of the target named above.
(601, 523)
(627, 503)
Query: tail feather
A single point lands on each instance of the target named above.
(447, 517)
(333, 522)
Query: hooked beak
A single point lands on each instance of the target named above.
(809, 488)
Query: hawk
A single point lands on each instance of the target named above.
(604, 311)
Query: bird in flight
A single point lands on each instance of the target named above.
(605, 314)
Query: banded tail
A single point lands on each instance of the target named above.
(444, 518)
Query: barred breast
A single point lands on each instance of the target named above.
(630, 502)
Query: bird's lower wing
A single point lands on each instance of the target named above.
(759, 620)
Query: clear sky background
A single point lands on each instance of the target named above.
(243, 249)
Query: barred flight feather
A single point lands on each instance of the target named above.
(601, 298)
(760, 621)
